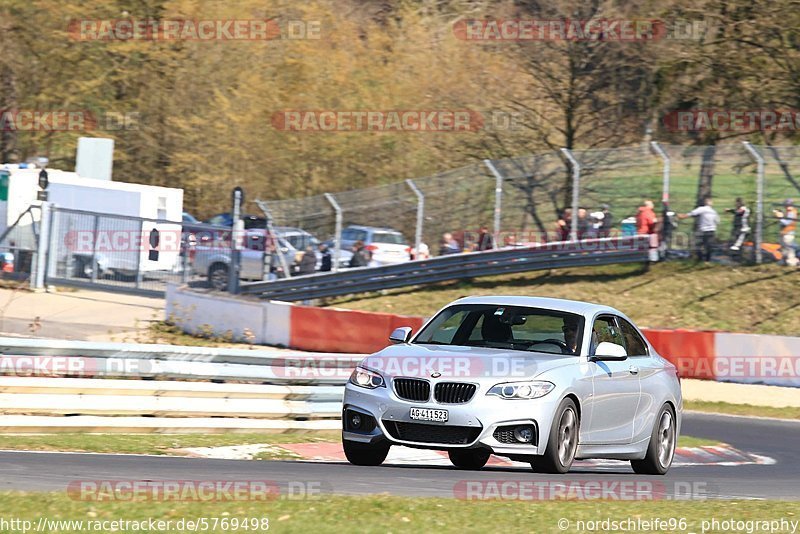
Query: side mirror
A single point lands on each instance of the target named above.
(400, 335)
(609, 352)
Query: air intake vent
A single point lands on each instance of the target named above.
(412, 389)
(453, 392)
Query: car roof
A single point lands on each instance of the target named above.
(563, 305)
(373, 228)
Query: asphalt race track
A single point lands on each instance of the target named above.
(31, 471)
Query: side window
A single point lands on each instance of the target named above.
(605, 329)
(255, 242)
(634, 343)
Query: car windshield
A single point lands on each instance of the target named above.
(388, 237)
(505, 327)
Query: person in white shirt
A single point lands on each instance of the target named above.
(707, 222)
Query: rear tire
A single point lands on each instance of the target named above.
(472, 459)
(661, 449)
(562, 443)
(365, 453)
(218, 276)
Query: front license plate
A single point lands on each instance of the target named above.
(426, 414)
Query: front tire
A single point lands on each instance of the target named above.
(472, 459)
(365, 453)
(661, 449)
(562, 443)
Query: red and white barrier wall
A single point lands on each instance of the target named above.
(720, 356)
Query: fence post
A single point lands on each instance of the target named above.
(420, 215)
(665, 158)
(94, 248)
(139, 254)
(337, 239)
(42, 245)
(759, 159)
(498, 198)
(576, 183)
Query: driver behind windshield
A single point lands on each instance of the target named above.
(570, 330)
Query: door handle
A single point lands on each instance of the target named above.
(633, 370)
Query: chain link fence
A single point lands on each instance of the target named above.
(520, 200)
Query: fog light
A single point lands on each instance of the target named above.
(523, 434)
(355, 421)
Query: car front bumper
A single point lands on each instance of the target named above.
(478, 419)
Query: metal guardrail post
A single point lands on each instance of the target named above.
(337, 239)
(498, 198)
(42, 245)
(420, 215)
(576, 183)
(759, 159)
(665, 158)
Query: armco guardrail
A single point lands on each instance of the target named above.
(42, 380)
(626, 249)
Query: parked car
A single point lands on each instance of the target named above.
(212, 258)
(295, 240)
(250, 221)
(385, 244)
(533, 379)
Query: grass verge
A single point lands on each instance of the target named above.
(399, 514)
(743, 409)
(167, 443)
(154, 443)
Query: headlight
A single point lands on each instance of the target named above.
(365, 378)
(522, 390)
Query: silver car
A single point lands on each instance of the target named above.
(539, 380)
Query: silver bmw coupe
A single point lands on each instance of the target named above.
(538, 380)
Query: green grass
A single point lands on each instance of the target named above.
(398, 514)
(156, 443)
(691, 441)
(760, 299)
(742, 409)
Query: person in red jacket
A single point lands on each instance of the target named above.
(647, 224)
(646, 218)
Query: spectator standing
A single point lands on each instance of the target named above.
(788, 221)
(448, 245)
(361, 256)
(707, 222)
(606, 222)
(308, 263)
(485, 239)
(741, 223)
(667, 226)
(584, 224)
(564, 225)
(326, 263)
(646, 219)
(647, 224)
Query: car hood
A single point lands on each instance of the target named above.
(469, 364)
